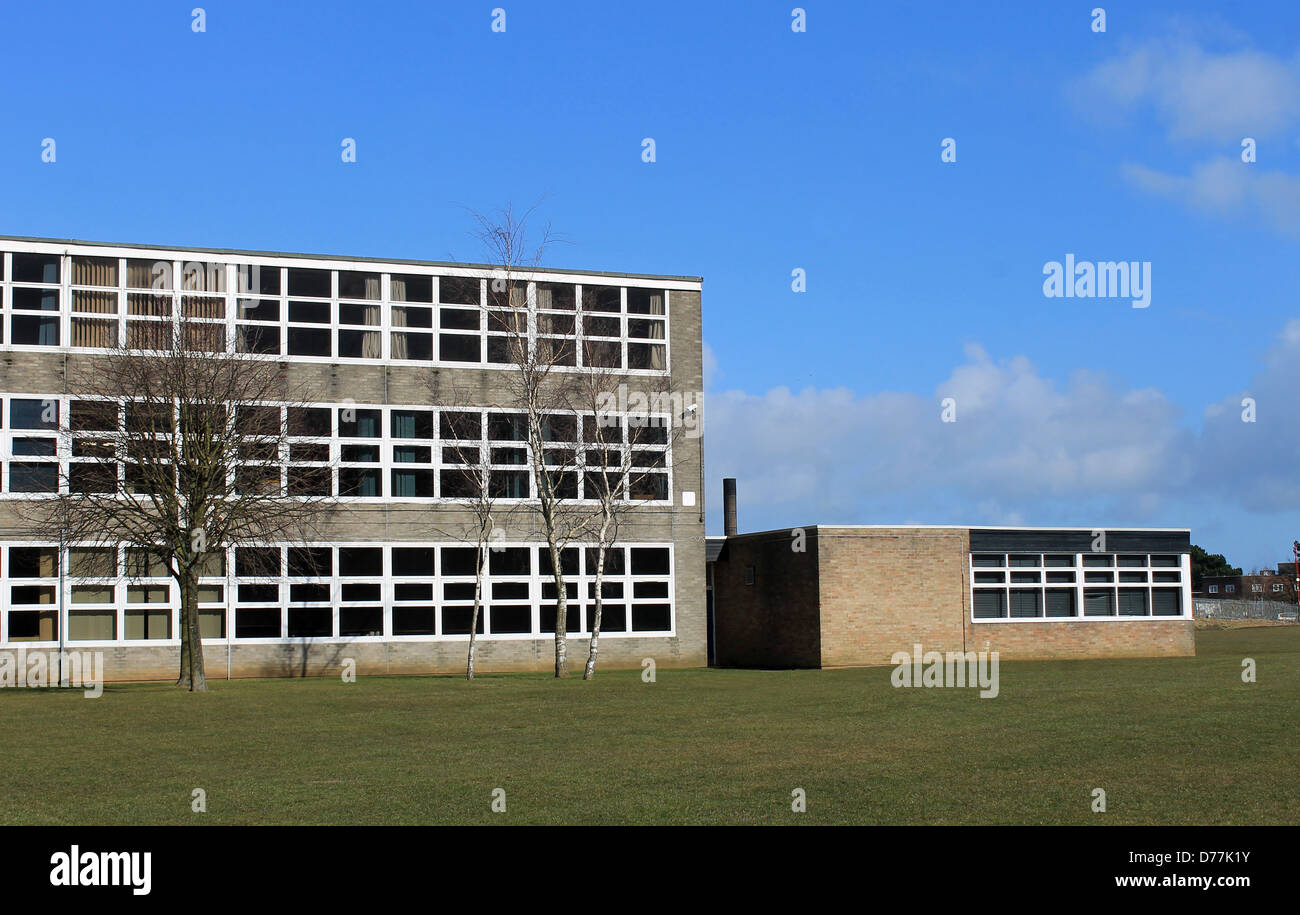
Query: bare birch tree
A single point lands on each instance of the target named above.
(618, 473)
(542, 394)
(185, 443)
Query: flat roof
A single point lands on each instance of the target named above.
(971, 527)
(242, 252)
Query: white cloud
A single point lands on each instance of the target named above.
(1023, 449)
(1197, 93)
(1226, 186)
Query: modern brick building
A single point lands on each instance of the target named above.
(844, 596)
(390, 584)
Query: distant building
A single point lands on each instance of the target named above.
(1267, 584)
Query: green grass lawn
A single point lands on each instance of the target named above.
(1179, 741)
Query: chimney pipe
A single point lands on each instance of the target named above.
(729, 507)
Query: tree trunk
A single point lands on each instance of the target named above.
(561, 616)
(590, 671)
(478, 602)
(193, 675)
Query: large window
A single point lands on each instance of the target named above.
(1056, 586)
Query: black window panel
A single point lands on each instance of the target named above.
(310, 593)
(457, 484)
(359, 591)
(360, 482)
(1133, 602)
(602, 298)
(419, 347)
(413, 621)
(1098, 577)
(412, 484)
(556, 295)
(413, 561)
(361, 621)
(512, 427)
(412, 454)
(598, 326)
(512, 618)
(359, 453)
(314, 283)
(549, 590)
(1060, 577)
(458, 590)
(1165, 562)
(459, 560)
(258, 279)
(353, 344)
(308, 481)
(988, 560)
(34, 447)
(362, 424)
(25, 477)
(513, 484)
(650, 561)
(1098, 602)
(461, 426)
(459, 290)
(309, 342)
(259, 310)
(608, 589)
(354, 285)
(412, 591)
(568, 561)
(30, 330)
(311, 562)
(415, 317)
(309, 421)
(36, 299)
(989, 604)
(361, 560)
(257, 561)
(257, 623)
(35, 268)
(29, 413)
(1024, 560)
(648, 432)
(298, 451)
(650, 589)
(510, 590)
(1098, 561)
(411, 287)
(1026, 603)
(86, 478)
(573, 618)
(92, 416)
(33, 562)
(309, 312)
(310, 622)
(254, 338)
(455, 621)
(412, 424)
(510, 561)
(24, 625)
(460, 348)
(1026, 578)
(614, 560)
(1166, 602)
(651, 618)
(1132, 562)
(1166, 576)
(1060, 602)
(258, 422)
(1059, 561)
(460, 319)
(613, 617)
(990, 578)
(645, 356)
(259, 594)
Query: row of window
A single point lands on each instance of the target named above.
(1255, 587)
(1044, 603)
(53, 445)
(344, 592)
(321, 313)
(1079, 585)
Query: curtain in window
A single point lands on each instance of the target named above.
(397, 288)
(404, 425)
(94, 272)
(398, 341)
(656, 303)
(657, 359)
(49, 333)
(403, 484)
(94, 302)
(545, 296)
(372, 288)
(92, 332)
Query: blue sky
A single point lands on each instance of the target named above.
(775, 150)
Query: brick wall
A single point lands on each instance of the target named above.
(773, 622)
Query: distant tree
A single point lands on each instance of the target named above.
(1205, 565)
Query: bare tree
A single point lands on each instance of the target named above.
(540, 393)
(185, 443)
(623, 465)
(471, 478)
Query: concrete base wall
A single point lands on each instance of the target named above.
(327, 659)
(1108, 639)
